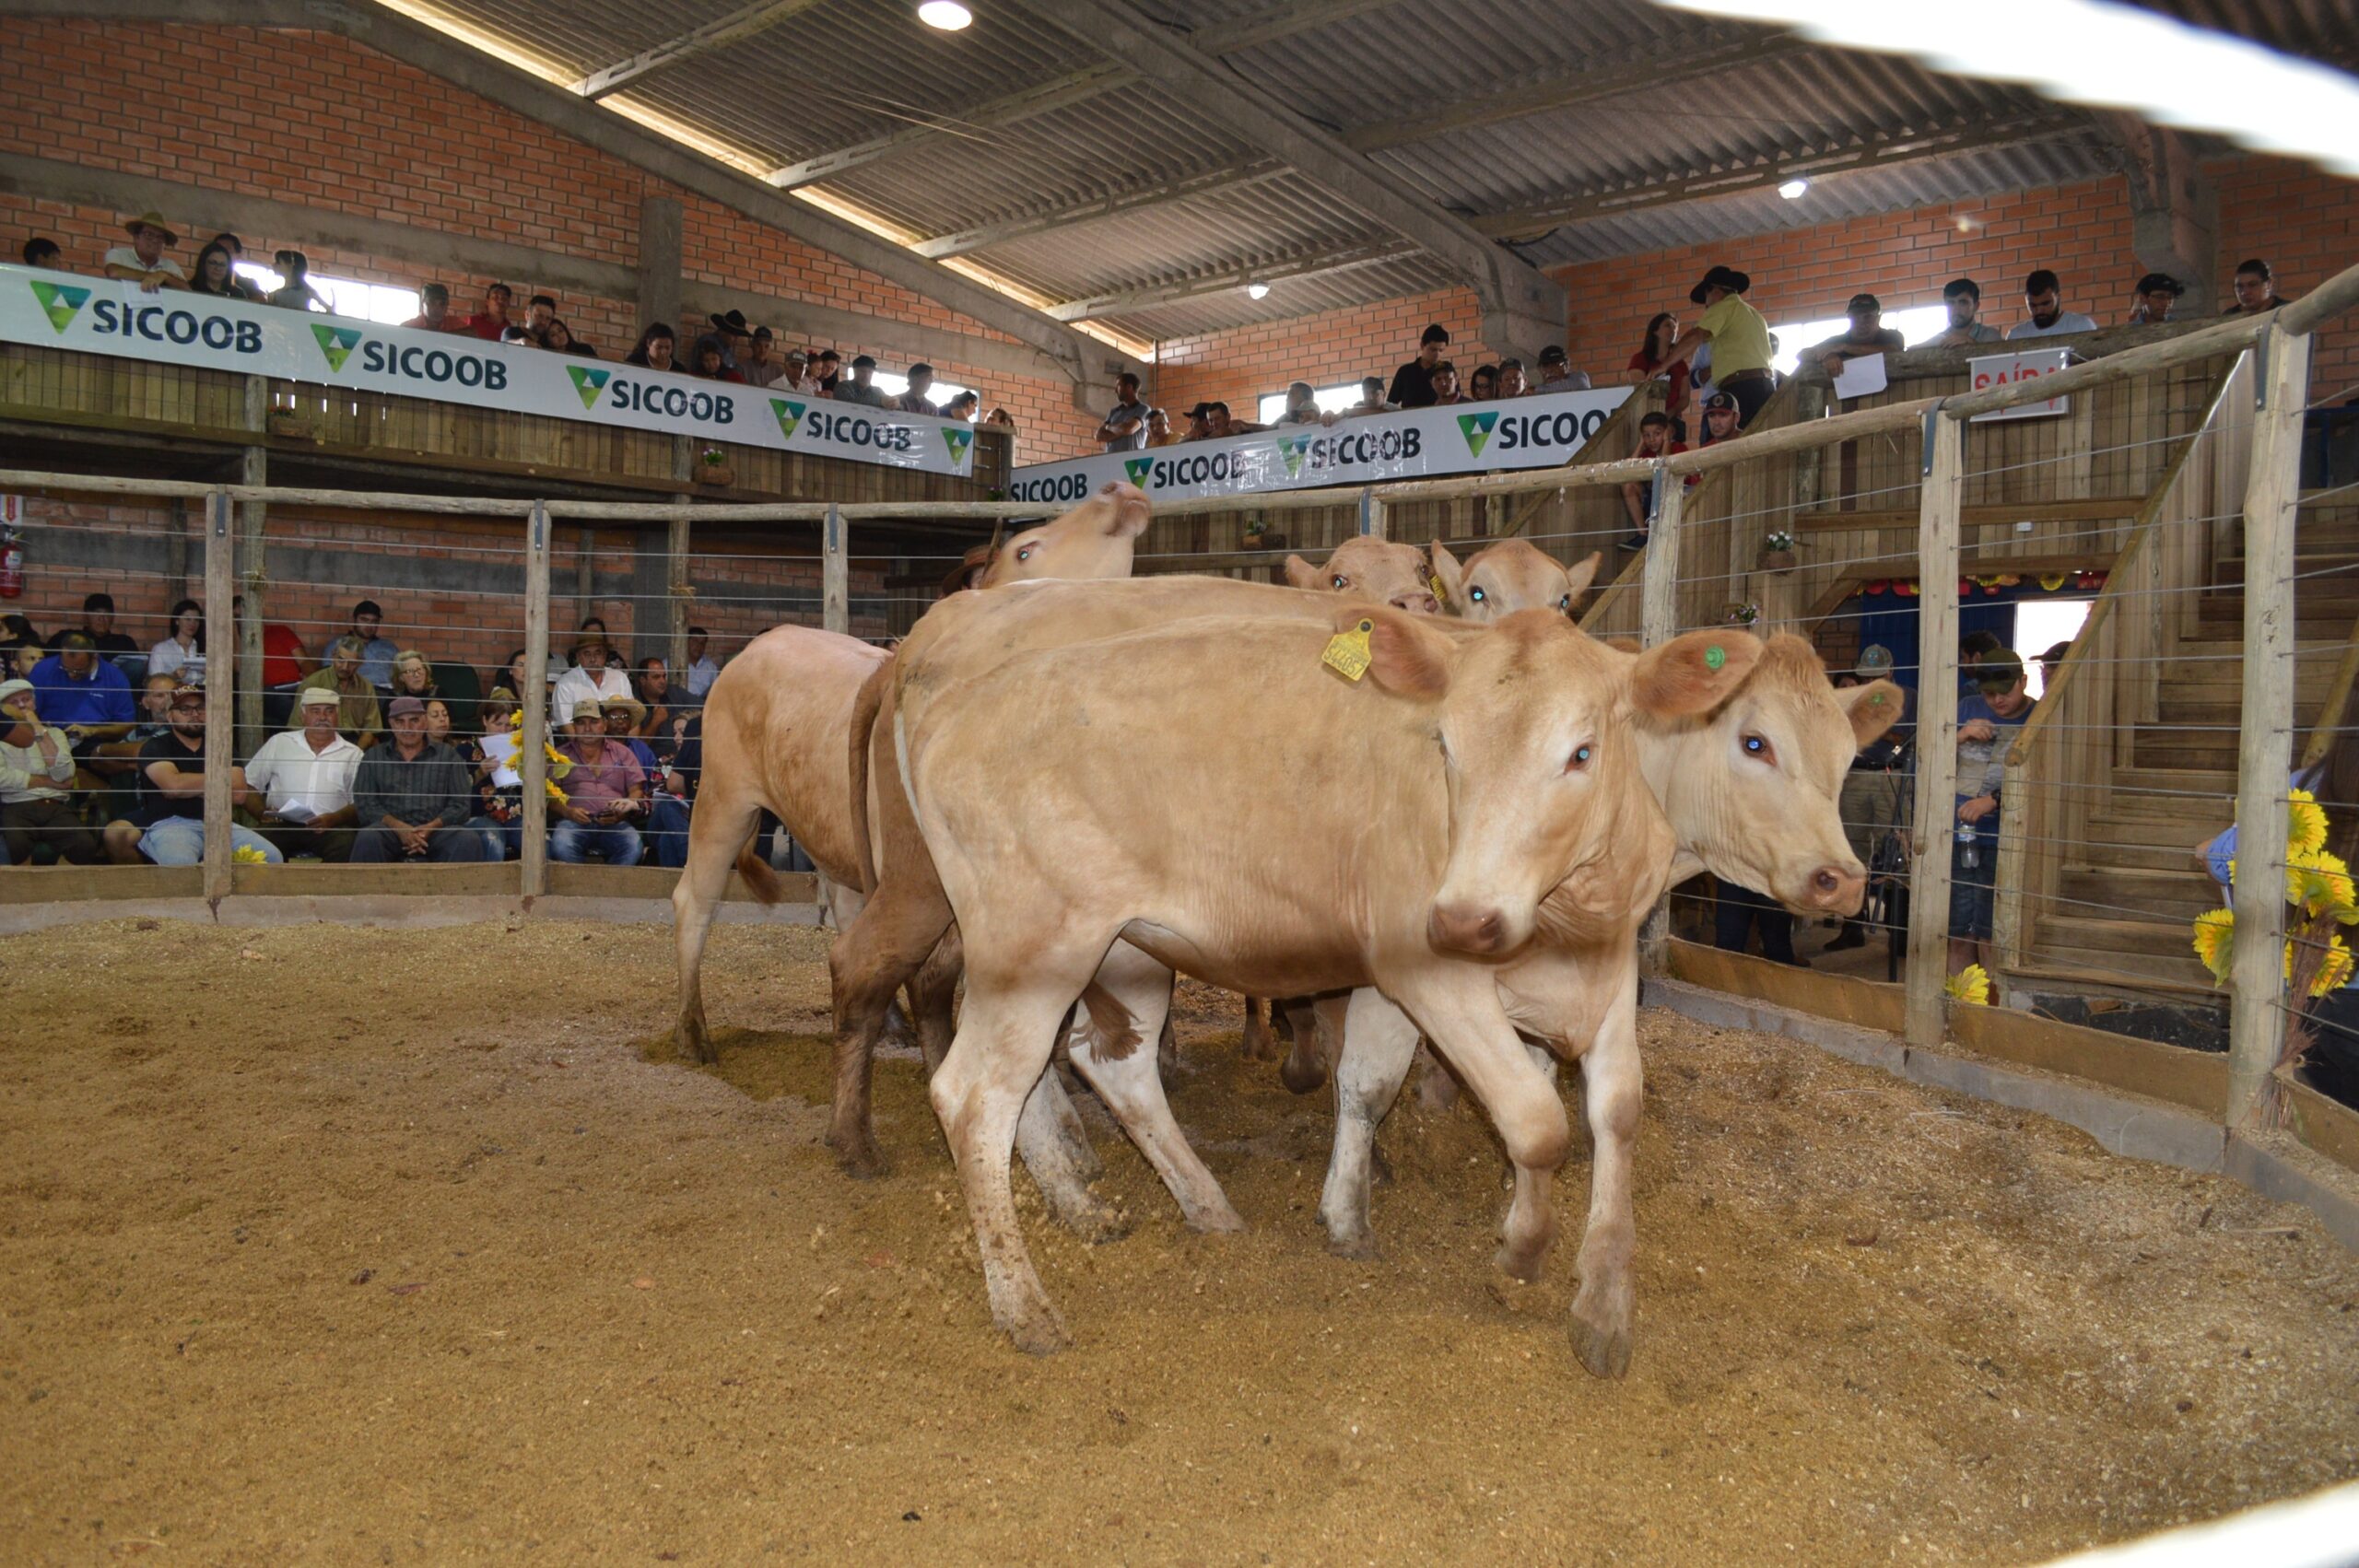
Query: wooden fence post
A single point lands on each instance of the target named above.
(253, 517)
(1936, 825)
(835, 577)
(220, 710)
(681, 598)
(533, 756)
(2265, 741)
(1659, 621)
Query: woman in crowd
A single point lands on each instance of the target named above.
(499, 786)
(708, 363)
(1445, 382)
(1662, 329)
(654, 349)
(184, 650)
(413, 676)
(295, 292)
(215, 273)
(1483, 386)
(966, 405)
(559, 339)
(438, 726)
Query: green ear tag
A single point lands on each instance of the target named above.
(1876, 698)
(1714, 657)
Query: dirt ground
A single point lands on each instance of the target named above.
(357, 1245)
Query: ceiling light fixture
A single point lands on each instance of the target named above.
(1257, 291)
(1792, 189)
(947, 15)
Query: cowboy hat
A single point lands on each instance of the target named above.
(1729, 278)
(734, 321)
(154, 220)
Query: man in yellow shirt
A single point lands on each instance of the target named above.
(1739, 341)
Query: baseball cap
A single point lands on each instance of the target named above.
(1862, 303)
(1998, 671)
(1720, 400)
(581, 710)
(317, 696)
(186, 693)
(1874, 660)
(2160, 283)
(1553, 355)
(404, 706)
(10, 688)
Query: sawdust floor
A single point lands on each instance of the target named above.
(355, 1245)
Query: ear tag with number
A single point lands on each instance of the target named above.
(1715, 657)
(1440, 593)
(1347, 652)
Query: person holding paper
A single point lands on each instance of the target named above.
(1867, 334)
(304, 777)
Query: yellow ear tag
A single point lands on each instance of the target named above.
(1440, 594)
(1347, 652)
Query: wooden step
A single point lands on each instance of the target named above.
(2126, 948)
(2044, 973)
(2102, 889)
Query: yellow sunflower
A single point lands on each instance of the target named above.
(2305, 823)
(2334, 970)
(247, 855)
(1971, 983)
(2317, 880)
(555, 793)
(2214, 932)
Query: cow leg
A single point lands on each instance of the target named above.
(1055, 1145)
(933, 996)
(1436, 1090)
(885, 942)
(1258, 1045)
(1612, 1084)
(1378, 1040)
(718, 831)
(1126, 1077)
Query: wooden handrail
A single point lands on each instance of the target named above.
(2336, 707)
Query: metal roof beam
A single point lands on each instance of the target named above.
(1132, 199)
(1229, 279)
(719, 33)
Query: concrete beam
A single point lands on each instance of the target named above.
(2174, 207)
(719, 33)
(1521, 308)
(660, 229)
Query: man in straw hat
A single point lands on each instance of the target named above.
(143, 261)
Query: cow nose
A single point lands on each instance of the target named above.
(1130, 505)
(1417, 601)
(1836, 890)
(1466, 930)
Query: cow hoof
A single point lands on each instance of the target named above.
(1360, 1248)
(861, 1158)
(1525, 1263)
(1223, 1220)
(1038, 1333)
(1094, 1223)
(1605, 1351)
(1302, 1076)
(691, 1041)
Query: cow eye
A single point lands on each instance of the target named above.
(1758, 745)
(1024, 553)
(1341, 581)
(1565, 604)
(1478, 596)
(1579, 759)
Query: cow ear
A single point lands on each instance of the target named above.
(1302, 574)
(1629, 645)
(1872, 709)
(1408, 656)
(1449, 573)
(1582, 575)
(1694, 673)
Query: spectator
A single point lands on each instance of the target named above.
(626, 719)
(37, 784)
(862, 387)
(2156, 298)
(413, 676)
(1963, 298)
(1720, 417)
(582, 634)
(1412, 383)
(296, 292)
(652, 686)
(1200, 421)
(1511, 380)
(761, 366)
(2256, 289)
(1737, 337)
(1222, 423)
(1373, 401)
(2043, 297)
(669, 813)
(999, 416)
(246, 288)
(302, 782)
(1986, 720)
(1302, 406)
(143, 261)
(154, 714)
(284, 662)
(1557, 372)
(414, 798)
(378, 651)
(712, 361)
(215, 274)
(1737, 909)
(167, 824)
(183, 653)
(83, 694)
(98, 624)
(915, 401)
(1870, 797)
(1124, 428)
(500, 785)
(698, 678)
(490, 323)
(968, 404)
(1867, 334)
(17, 635)
(358, 714)
(42, 251)
(654, 349)
(735, 337)
(605, 790)
(590, 681)
(1653, 359)
(825, 372)
(559, 339)
(433, 311)
(1483, 386)
(2051, 665)
(538, 314)
(439, 726)
(1446, 389)
(1654, 441)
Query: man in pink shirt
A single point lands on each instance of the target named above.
(605, 794)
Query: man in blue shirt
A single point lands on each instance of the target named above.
(1987, 717)
(83, 694)
(377, 650)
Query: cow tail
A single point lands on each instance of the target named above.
(864, 709)
(760, 881)
(1116, 1031)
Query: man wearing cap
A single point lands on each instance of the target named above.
(1557, 372)
(1961, 297)
(143, 261)
(1738, 339)
(433, 311)
(37, 784)
(1867, 334)
(359, 715)
(606, 792)
(862, 388)
(166, 822)
(1987, 717)
(2156, 296)
(762, 367)
(2044, 298)
(1412, 383)
(413, 796)
(302, 780)
(1870, 796)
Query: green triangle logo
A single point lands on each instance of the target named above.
(61, 302)
(1293, 449)
(589, 383)
(1138, 468)
(790, 415)
(1476, 428)
(957, 441)
(336, 343)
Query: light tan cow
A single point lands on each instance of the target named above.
(1509, 575)
(1373, 569)
(1467, 780)
(777, 738)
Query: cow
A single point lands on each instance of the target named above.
(1507, 576)
(1377, 570)
(777, 723)
(1467, 780)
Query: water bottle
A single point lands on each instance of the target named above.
(1969, 848)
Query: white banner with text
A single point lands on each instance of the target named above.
(1540, 431)
(175, 327)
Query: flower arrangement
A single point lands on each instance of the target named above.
(247, 855)
(1778, 551)
(1971, 983)
(1741, 615)
(712, 467)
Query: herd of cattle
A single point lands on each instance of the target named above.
(1038, 787)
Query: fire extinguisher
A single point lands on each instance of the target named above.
(12, 565)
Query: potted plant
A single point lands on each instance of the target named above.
(1741, 615)
(292, 424)
(1778, 551)
(712, 468)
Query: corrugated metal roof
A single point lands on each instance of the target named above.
(842, 72)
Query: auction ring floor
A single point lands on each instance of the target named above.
(333, 1243)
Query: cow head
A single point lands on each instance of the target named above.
(1373, 569)
(1094, 540)
(1752, 784)
(1511, 574)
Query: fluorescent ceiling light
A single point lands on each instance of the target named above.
(947, 15)
(1257, 291)
(2112, 56)
(1792, 189)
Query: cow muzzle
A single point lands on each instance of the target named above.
(1129, 507)
(1460, 928)
(1417, 601)
(1835, 890)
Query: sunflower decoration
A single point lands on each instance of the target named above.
(556, 794)
(559, 763)
(2215, 932)
(247, 855)
(1971, 983)
(2306, 826)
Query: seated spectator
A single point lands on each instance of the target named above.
(1482, 384)
(862, 387)
(670, 810)
(654, 349)
(2051, 665)
(698, 678)
(246, 286)
(15, 634)
(302, 784)
(590, 626)
(490, 322)
(2256, 289)
(1511, 380)
(825, 372)
(413, 676)
(801, 381)
(358, 714)
(1001, 418)
(167, 824)
(652, 686)
(494, 761)
(1963, 298)
(1223, 424)
(626, 720)
(377, 649)
(1412, 383)
(1653, 359)
(915, 401)
(711, 361)
(1867, 334)
(1124, 428)
(605, 791)
(590, 681)
(215, 274)
(98, 624)
(433, 311)
(183, 653)
(1302, 406)
(762, 367)
(736, 339)
(1372, 399)
(2043, 297)
(1721, 416)
(154, 714)
(1446, 390)
(414, 798)
(1557, 372)
(1159, 432)
(539, 312)
(1654, 440)
(143, 261)
(2156, 300)
(1738, 337)
(42, 252)
(297, 293)
(83, 694)
(559, 339)
(37, 786)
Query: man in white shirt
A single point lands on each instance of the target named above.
(2043, 300)
(589, 680)
(699, 678)
(303, 779)
(141, 262)
(37, 784)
